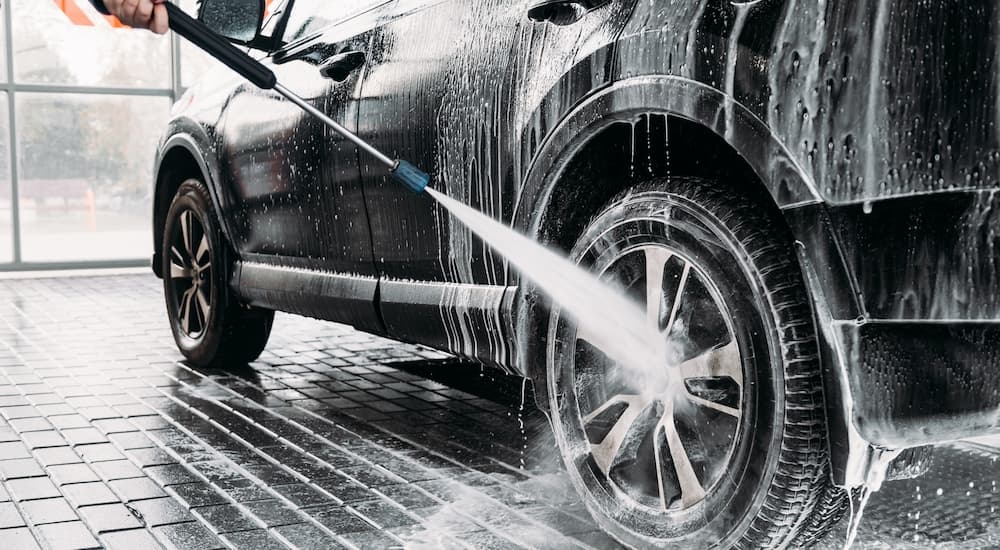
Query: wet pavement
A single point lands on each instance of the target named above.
(332, 439)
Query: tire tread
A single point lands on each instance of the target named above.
(801, 504)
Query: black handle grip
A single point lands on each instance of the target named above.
(219, 48)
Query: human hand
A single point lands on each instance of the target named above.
(140, 14)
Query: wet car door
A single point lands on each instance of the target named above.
(296, 184)
(411, 97)
(451, 85)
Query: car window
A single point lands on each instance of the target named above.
(309, 16)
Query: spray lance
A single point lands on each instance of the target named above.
(218, 47)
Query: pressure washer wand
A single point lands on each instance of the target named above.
(218, 47)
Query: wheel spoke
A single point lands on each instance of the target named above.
(713, 405)
(676, 304)
(656, 261)
(184, 310)
(661, 481)
(691, 490)
(720, 362)
(177, 255)
(186, 233)
(202, 250)
(179, 271)
(203, 306)
(608, 450)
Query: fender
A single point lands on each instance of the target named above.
(191, 136)
(791, 187)
(624, 101)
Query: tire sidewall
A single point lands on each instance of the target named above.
(734, 505)
(192, 196)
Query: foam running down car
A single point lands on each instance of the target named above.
(802, 194)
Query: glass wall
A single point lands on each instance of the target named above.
(85, 171)
(83, 102)
(6, 192)
(67, 42)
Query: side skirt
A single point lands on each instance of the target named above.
(348, 299)
(473, 321)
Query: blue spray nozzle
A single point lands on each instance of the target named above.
(410, 176)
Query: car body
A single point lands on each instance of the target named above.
(874, 128)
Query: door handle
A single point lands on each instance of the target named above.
(313, 54)
(339, 67)
(562, 12)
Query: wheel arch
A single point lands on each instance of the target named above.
(180, 157)
(734, 133)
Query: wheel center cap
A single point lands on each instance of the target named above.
(662, 381)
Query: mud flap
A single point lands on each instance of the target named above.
(911, 463)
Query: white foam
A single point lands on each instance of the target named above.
(614, 324)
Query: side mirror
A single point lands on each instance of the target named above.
(238, 21)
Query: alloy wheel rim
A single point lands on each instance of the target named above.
(191, 274)
(662, 440)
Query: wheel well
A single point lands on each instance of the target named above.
(621, 156)
(627, 153)
(177, 166)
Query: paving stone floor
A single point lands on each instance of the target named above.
(333, 439)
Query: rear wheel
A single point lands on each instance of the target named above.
(210, 326)
(723, 445)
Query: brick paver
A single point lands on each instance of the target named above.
(325, 442)
(332, 439)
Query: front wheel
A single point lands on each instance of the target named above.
(210, 326)
(723, 444)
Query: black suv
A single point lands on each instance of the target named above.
(805, 193)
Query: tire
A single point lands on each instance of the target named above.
(736, 456)
(210, 326)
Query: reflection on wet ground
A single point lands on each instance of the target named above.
(333, 439)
